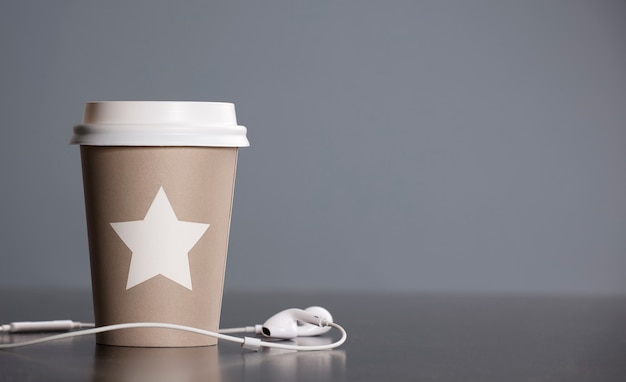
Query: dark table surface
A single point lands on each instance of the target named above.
(394, 337)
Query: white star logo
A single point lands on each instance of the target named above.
(160, 243)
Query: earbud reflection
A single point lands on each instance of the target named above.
(278, 364)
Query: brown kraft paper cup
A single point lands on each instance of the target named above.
(121, 184)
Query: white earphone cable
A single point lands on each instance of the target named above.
(244, 329)
(247, 342)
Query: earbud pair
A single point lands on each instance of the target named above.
(292, 323)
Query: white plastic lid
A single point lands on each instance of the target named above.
(160, 123)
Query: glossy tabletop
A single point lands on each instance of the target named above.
(394, 337)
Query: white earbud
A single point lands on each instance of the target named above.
(292, 323)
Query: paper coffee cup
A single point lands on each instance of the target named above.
(158, 180)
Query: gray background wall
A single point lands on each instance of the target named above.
(416, 146)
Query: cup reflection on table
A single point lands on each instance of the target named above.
(119, 364)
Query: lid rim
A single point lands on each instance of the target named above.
(160, 123)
